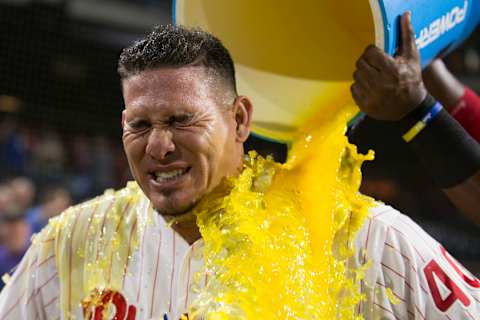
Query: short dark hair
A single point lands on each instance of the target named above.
(177, 46)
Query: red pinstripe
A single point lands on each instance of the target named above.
(366, 241)
(134, 227)
(46, 306)
(36, 292)
(364, 258)
(381, 213)
(49, 303)
(348, 229)
(31, 296)
(116, 231)
(46, 260)
(36, 268)
(27, 267)
(188, 279)
(407, 240)
(396, 295)
(91, 218)
(400, 253)
(173, 272)
(47, 282)
(385, 309)
(419, 312)
(398, 274)
(57, 243)
(422, 237)
(141, 265)
(103, 226)
(70, 257)
(154, 289)
(409, 263)
(417, 252)
(469, 314)
(406, 283)
(13, 306)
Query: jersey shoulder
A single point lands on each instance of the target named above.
(88, 217)
(380, 218)
(83, 224)
(92, 242)
(374, 236)
(411, 266)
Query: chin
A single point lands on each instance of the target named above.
(179, 211)
(171, 206)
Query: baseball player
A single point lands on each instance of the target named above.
(184, 127)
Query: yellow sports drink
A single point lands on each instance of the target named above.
(277, 238)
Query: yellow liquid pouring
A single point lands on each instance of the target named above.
(277, 238)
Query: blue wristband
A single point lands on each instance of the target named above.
(424, 121)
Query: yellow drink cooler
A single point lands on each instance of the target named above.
(296, 58)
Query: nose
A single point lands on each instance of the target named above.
(160, 143)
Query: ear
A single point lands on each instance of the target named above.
(243, 109)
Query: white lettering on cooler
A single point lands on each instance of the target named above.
(442, 25)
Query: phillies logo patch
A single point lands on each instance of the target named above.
(107, 304)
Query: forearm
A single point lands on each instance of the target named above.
(466, 197)
(460, 101)
(451, 157)
(443, 85)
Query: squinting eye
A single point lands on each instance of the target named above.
(138, 125)
(182, 119)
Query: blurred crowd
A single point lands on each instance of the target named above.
(42, 173)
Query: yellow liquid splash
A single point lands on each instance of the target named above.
(277, 238)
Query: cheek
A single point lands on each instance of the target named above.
(219, 152)
(215, 141)
(196, 146)
(133, 147)
(205, 147)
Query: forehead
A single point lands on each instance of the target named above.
(164, 86)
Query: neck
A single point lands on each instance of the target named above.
(186, 226)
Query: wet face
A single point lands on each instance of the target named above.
(182, 134)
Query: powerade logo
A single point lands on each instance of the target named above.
(442, 25)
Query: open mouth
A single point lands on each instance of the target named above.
(162, 177)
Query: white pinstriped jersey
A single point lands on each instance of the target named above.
(411, 276)
(423, 281)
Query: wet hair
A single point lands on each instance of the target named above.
(178, 46)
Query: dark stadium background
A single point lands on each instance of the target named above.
(60, 108)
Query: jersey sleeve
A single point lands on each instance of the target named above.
(31, 291)
(467, 113)
(414, 276)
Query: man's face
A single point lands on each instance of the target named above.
(180, 135)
